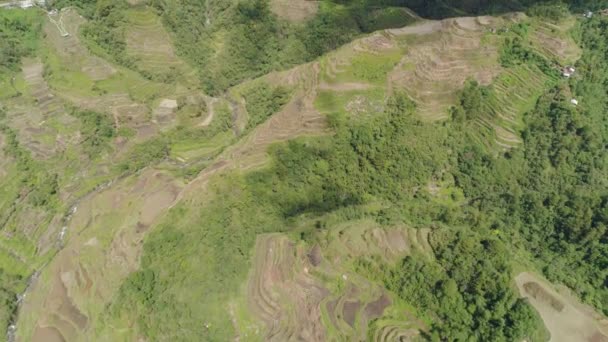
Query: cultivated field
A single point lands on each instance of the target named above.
(105, 239)
(295, 10)
(564, 316)
(151, 46)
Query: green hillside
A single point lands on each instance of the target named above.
(303, 170)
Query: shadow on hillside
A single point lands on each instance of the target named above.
(440, 9)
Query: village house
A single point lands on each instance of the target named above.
(568, 71)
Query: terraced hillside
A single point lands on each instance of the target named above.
(159, 183)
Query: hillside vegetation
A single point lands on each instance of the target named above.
(339, 170)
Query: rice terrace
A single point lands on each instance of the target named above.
(304, 170)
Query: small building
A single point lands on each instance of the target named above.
(588, 15)
(568, 71)
(26, 3)
(574, 102)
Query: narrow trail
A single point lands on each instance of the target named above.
(211, 115)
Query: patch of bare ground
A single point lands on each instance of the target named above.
(376, 43)
(348, 86)
(361, 239)
(70, 48)
(283, 294)
(164, 114)
(294, 10)
(105, 240)
(47, 334)
(434, 69)
(33, 71)
(376, 308)
(211, 103)
(564, 316)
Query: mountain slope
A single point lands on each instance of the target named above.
(160, 186)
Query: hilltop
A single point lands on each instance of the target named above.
(315, 170)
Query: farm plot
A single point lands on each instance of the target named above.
(564, 316)
(298, 117)
(106, 233)
(295, 10)
(62, 32)
(436, 68)
(311, 293)
(150, 45)
(33, 70)
(556, 41)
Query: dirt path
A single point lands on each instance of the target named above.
(349, 86)
(211, 115)
(564, 316)
(422, 28)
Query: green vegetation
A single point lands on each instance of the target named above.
(193, 263)
(145, 154)
(39, 186)
(97, 129)
(516, 50)
(488, 210)
(466, 289)
(544, 200)
(106, 31)
(230, 41)
(19, 31)
(263, 100)
(10, 285)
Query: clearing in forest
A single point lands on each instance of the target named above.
(564, 316)
(295, 10)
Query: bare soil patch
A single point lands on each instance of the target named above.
(33, 70)
(164, 114)
(314, 256)
(564, 316)
(47, 334)
(376, 308)
(282, 294)
(295, 10)
(350, 86)
(350, 310)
